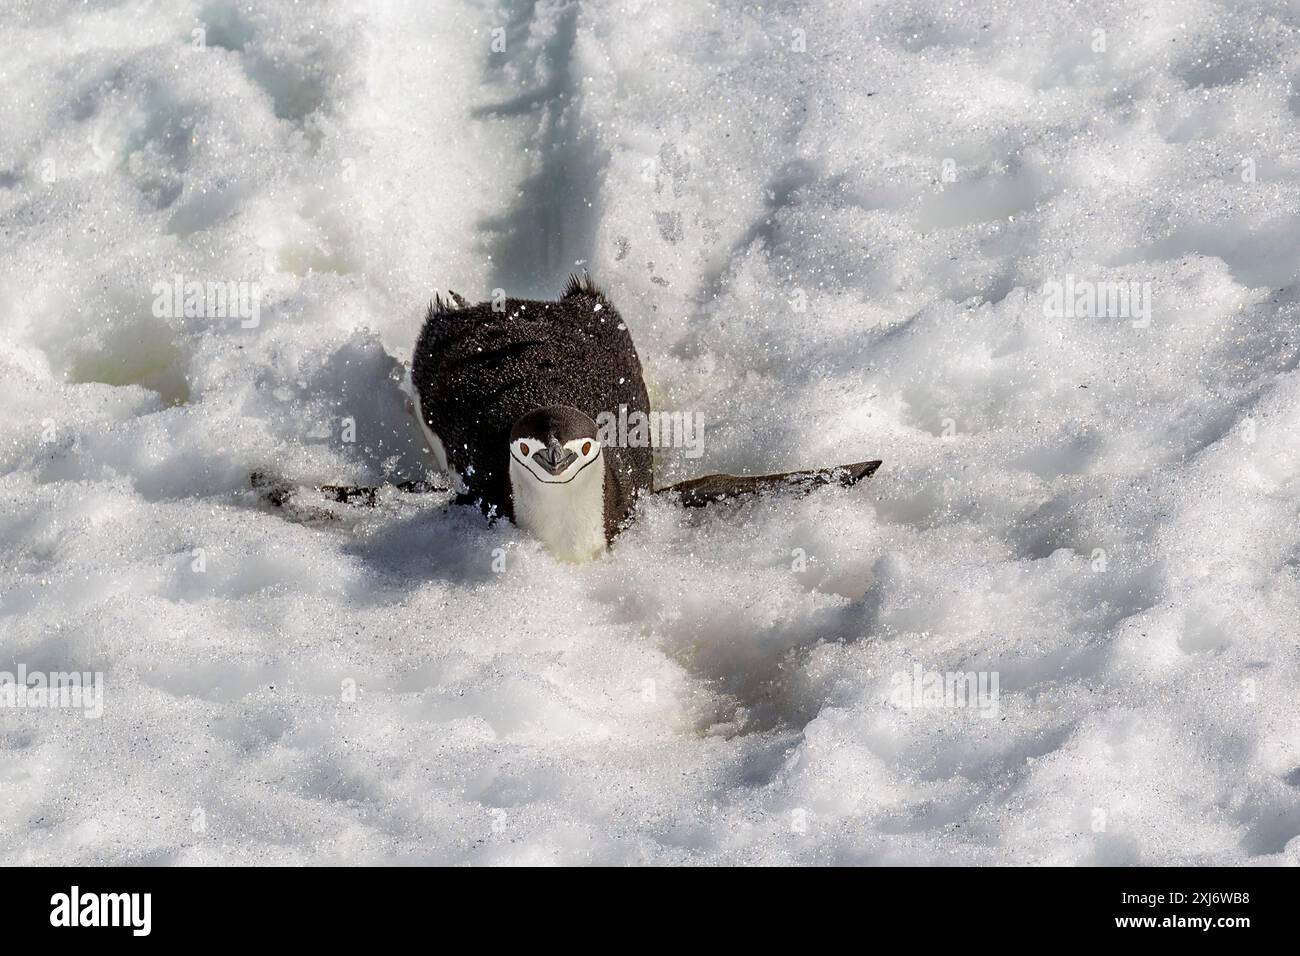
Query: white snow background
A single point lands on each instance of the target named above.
(828, 225)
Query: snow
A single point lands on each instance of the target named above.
(829, 227)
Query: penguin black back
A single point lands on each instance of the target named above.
(477, 369)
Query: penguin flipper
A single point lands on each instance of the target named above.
(699, 492)
(279, 493)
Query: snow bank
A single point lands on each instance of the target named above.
(835, 231)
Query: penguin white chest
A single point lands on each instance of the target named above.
(568, 517)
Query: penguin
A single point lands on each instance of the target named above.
(508, 394)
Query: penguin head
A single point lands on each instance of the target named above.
(553, 444)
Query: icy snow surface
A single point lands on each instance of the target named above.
(829, 226)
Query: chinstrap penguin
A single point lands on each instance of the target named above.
(508, 394)
(494, 379)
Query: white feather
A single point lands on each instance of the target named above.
(435, 443)
(568, 517)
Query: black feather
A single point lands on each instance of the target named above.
(582, 286)
(441, 306)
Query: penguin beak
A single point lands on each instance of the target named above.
(554, 457)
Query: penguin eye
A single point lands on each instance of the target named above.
(586, 448)
(523, 448)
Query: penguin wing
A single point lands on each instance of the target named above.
(699, 492)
